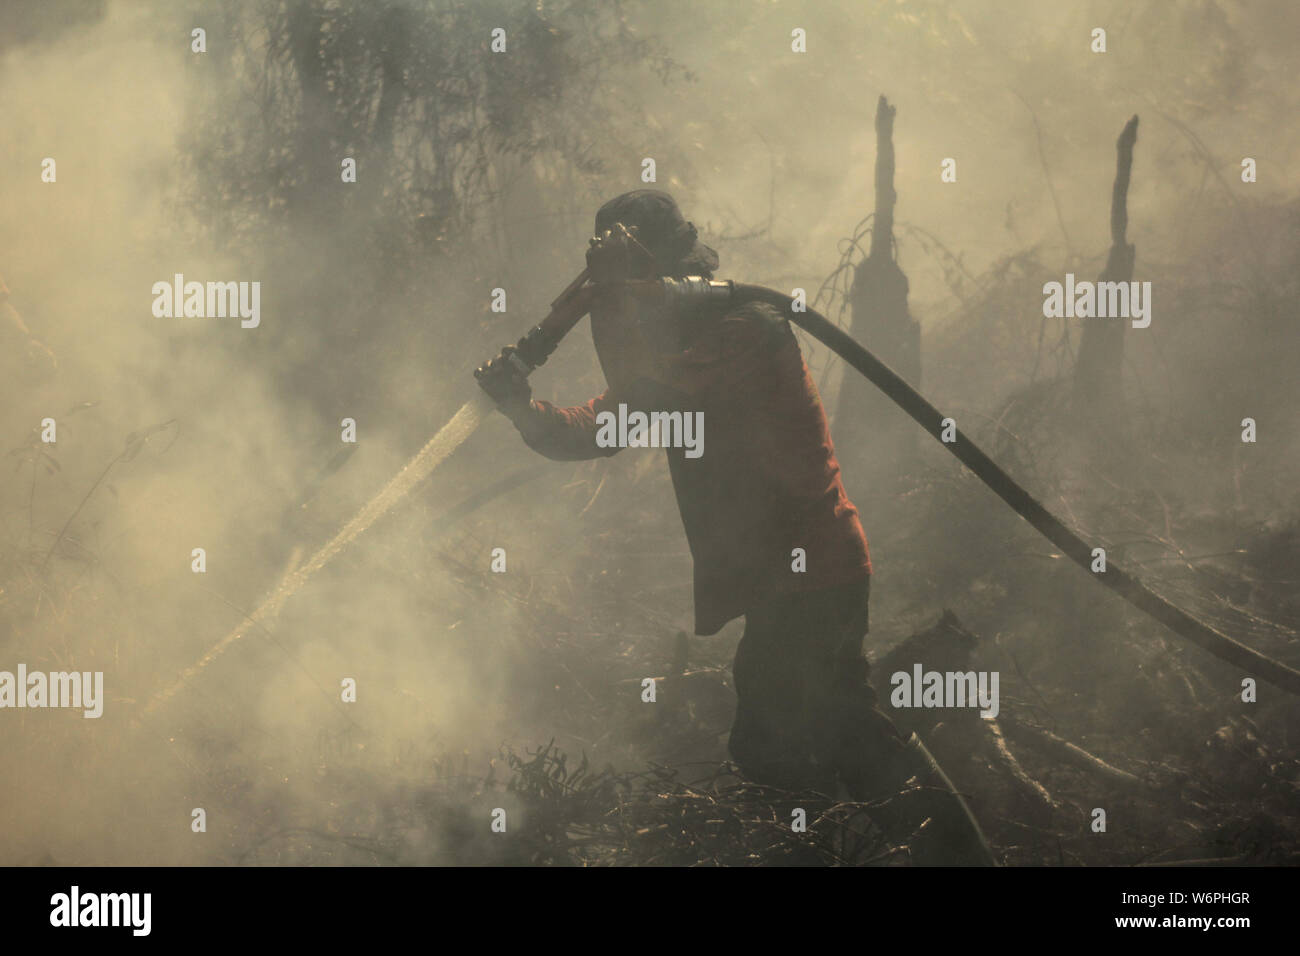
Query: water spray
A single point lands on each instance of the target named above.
(533, 349)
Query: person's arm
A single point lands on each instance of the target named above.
(563, 434)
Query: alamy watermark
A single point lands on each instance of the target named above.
(103, 909)
(84, 689)
(1102, 300)
(923, 688)
(197, 300)
(651, 430)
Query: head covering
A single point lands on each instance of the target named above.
(662, 229)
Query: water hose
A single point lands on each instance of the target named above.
(1003, 485)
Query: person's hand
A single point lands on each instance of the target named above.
(505, 379)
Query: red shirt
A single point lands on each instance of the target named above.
(767, 481)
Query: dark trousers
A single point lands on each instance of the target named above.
(805, 711)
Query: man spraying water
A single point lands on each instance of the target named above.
(773, 535)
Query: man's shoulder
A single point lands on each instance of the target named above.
(755, 311)
(746, 328)
(760, 320)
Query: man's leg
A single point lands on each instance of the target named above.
(806, 712)
(866, 748)
(774, 739)
(805, 709)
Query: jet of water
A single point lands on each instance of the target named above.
(450, 437)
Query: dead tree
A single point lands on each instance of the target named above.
(870, 429)
(1097, 373)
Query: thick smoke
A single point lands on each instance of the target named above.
(183, 433)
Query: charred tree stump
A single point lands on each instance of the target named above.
(871, 431)
(1097, 373)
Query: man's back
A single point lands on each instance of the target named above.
(767, 481)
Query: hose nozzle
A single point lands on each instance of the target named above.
(693, 291)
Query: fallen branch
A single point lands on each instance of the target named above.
(1028, 785)
(1076, 755)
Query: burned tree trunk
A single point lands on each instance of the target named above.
(871, 432)
(1097, 373)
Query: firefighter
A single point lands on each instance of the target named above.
(772, 533)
